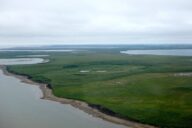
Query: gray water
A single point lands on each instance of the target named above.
(57, 50)
(34, 56)
(20, 61)
(21, 107)
(171, 52)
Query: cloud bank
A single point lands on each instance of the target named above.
(26, 22)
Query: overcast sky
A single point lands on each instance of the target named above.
(27, 22)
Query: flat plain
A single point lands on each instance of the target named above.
(145, 88)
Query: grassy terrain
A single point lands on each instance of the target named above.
(142, 88)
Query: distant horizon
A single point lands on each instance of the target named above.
(90, 44)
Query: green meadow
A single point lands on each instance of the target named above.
(148, 89)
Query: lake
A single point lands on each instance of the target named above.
(27, 50)
(170, 52)
(21, 107)
(20, 61)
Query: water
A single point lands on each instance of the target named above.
(26, 50)
(171, 52)
(20, 61)
(21, 107)
(33, 56)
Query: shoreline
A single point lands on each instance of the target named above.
(90, 109)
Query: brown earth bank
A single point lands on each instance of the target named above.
(92, 109)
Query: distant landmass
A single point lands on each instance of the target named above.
(127, 47)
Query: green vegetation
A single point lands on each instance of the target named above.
(142, 88)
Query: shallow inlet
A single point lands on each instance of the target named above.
(170, 52)
(20, 61)
(21, 107)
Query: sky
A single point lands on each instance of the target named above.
(39, 22)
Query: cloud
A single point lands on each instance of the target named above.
(84, 21)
